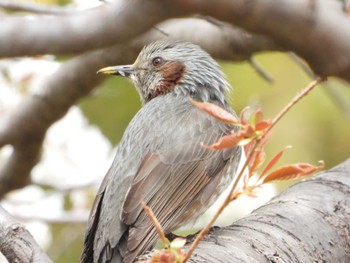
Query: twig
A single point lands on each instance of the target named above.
(233, 194)
(337, 97)
(207, 228)
(261, 231)
(302, 64)
(340, 101)
(161, 31)
(227, 200)
(212, 20)
(156, 224)
(295, 100)
(260, 70)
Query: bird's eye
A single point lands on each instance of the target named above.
(157, 61)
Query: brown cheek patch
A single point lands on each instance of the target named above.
(172, 73)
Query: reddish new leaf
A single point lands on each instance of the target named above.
(225, 142)
(258, 158)
(293, 171)
(244, 137)
(245, 141)
(257, 116)
(250, 190)
(274, 160)
(216, 111)
(247, 131)
(163, 256)
(263, 125)
(242, 115)
(248, 148)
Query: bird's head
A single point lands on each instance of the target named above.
(179, 67)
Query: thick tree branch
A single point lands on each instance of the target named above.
(17, 244)
(318, 31)
(81, 31)
(222, 40)
(310, 222)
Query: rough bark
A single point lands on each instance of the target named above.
(309, 222)
(17, 244)
(82, 31)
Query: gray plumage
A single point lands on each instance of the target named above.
(160, 159)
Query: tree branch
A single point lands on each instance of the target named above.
(81, 31)
(318, 31)
(222, 40)
(304, 26)
(304, 224)
(17, 244)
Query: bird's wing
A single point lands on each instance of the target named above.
(176, 182)
(88, 250)
(98, 245)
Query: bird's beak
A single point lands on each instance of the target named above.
(124, 71)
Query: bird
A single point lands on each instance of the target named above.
(160, 159)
